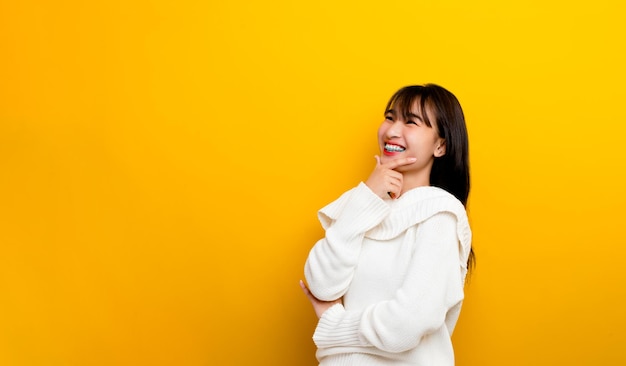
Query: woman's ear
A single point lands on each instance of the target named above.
(440, 149)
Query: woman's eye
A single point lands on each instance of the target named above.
(410, 122)
(388, 118)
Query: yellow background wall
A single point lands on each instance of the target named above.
(162, 162)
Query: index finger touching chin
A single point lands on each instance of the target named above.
(400, 162)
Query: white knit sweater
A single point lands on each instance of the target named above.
(400, 267)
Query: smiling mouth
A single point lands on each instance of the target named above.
(394, 148)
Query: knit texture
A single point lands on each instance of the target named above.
(399, 266)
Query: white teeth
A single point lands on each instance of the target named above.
(394, 148)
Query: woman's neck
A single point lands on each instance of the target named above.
(410, 181)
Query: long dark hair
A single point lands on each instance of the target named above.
(450, 171)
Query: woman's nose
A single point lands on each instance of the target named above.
(395, 129)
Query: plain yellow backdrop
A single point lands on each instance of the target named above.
(161, 165)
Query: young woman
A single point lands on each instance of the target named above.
(386, 282)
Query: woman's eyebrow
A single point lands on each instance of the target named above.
(390, 111)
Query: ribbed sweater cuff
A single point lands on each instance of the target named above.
(363, 211)
(337, 327)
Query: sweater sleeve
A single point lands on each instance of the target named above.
(331, 262)
(434, 284)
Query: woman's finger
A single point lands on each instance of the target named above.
(306, 291)
(399, 162)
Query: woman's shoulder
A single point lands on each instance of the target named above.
(418, 205)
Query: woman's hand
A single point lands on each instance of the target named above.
(319, 306)
(384, 180)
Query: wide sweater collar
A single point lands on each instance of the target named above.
(410, 209)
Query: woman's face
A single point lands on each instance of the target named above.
(409, 136)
